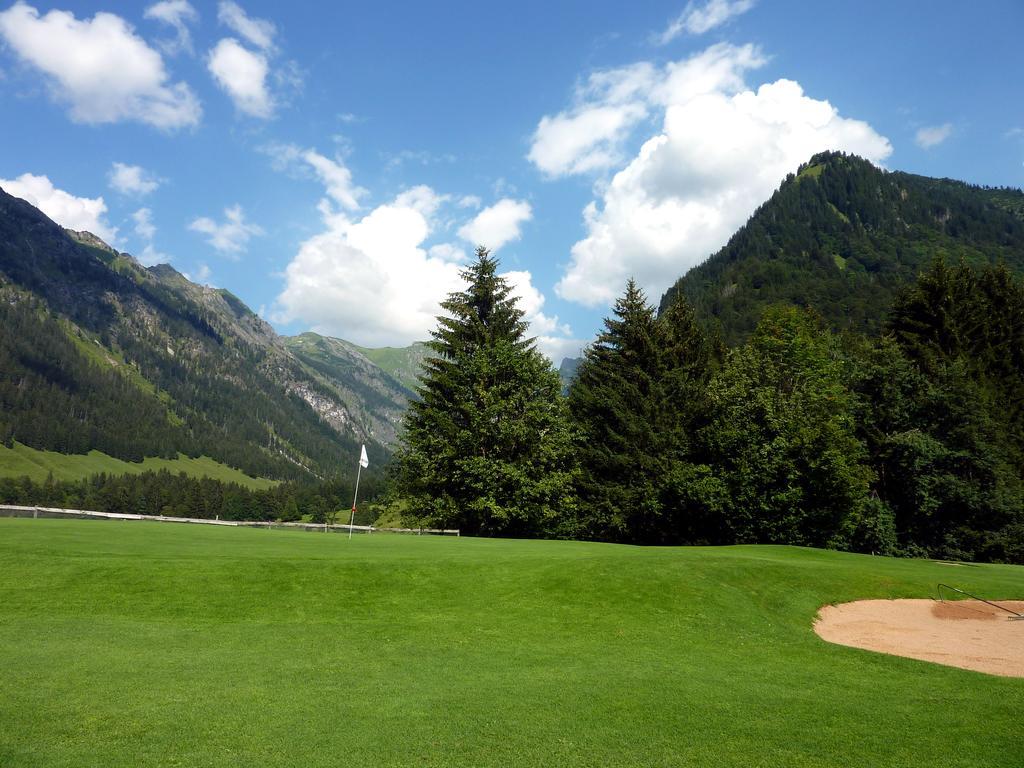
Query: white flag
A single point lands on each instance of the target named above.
(363, 461)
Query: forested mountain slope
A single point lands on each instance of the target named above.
(843, 237)
(99, 352)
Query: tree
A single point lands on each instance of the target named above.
(487, 447)
(614, 403)
(782, 439)
(639, 397)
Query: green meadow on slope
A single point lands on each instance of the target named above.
(139, 644)
(21, 461)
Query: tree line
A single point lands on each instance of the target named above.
(908, 442)
(179, 495)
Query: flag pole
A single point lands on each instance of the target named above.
(363, 462)
(352, 517)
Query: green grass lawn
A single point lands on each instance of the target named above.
(128, 644)
(22, 460)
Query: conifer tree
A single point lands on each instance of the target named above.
(487, 447)
(615, 402)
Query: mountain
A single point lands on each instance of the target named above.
(843, 236)
(99, 352)
(379, 398)
(402, 363)
(567, 371)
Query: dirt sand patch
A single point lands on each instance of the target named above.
(965, 633)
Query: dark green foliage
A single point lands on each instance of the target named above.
(942, 412)
(782, 439)
(843, 237)
(638, 398)
(486, 447)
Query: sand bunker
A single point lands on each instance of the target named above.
(965, 633)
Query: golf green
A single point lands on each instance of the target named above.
(129, 644)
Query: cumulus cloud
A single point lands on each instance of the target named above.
(610, 104)
(99, 67)
(257, 32)
(697, 18)
(587, 137)
(242, 74)
(150, 256)
(177, 14)
(448, 252)
(78, 213)
(378, 281)
(132, 180)
(370, 280)
(374, 281)
(554, 338)
(932, 136)
(144, 226)
(230, 236)
(498, 224)
(722, 150)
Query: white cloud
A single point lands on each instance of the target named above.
(78, 213)
(370, 280)
(257, 32)
(722, 150)
(99, 67)
(242, 74)
(231, 236)
(144, 226)
(306, 163)
(932, 136)
(554, 338)
(696, 19)
(469, 201)
(590, 136)
(531, 301)
(497, 225)
(336, 177)
(374, 281)
(132, 179)
(177, 14)
(448, 252)
(150, 256)
(145, 229)
(587, 137)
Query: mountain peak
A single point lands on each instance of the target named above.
(847, 243)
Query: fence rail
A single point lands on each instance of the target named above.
(12, 510)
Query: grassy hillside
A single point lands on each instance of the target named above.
(143, 644)
(22, 460)
(402, 363)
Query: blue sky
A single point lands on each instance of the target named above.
(334, 164)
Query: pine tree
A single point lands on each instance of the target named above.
(487, 447)
(615, 402)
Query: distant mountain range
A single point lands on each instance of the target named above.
(99, 352)
(843, 236)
